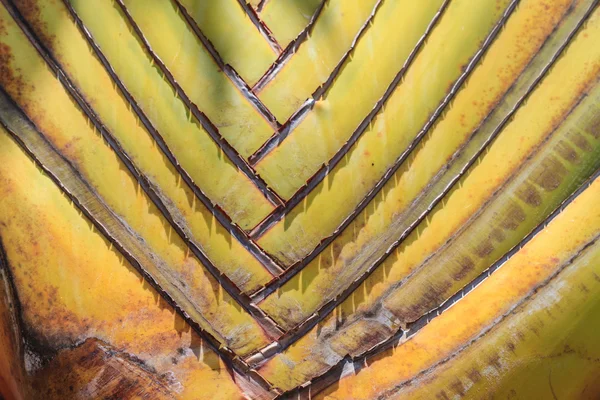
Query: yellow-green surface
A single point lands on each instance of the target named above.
(67, 129)
(117, 281)
(452, 267)
(532, 266)
(532, 326)
(195, 150)
(71, 51)
(320, 135)
(199, 76)
(332, 36)
(292, 238)
(75, 269)
(287, 18)
(234, 36)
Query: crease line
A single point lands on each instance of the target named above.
(295, 268)
(261, 26)
(206, 123)
(241, 298)
(228, 70)
(224, 219)
(356, 363)
(292, 335)
(226, 354)
(289, 51)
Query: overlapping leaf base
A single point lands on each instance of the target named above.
(343, 199)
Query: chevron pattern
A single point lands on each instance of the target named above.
(303, 202)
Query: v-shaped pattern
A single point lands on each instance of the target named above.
(217, 131)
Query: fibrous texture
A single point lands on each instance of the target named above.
(342, 199)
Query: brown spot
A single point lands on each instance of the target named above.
(497, 235)
(2, 28)
(484, 248)
(430, 299)
(529, 194)
(474, 375)
(6, 73)
(31, 12)
(580, 141)
(510, 346)
(590, 122)
(567, 152)
(549, 174)
(568, 349)
(458, 388)
(442, 396)
(466, 265)
(514, 216)
(494, 361)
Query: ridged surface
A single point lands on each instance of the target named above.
(299, 199)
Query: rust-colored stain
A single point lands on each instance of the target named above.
(95, 370)
(414, 215)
